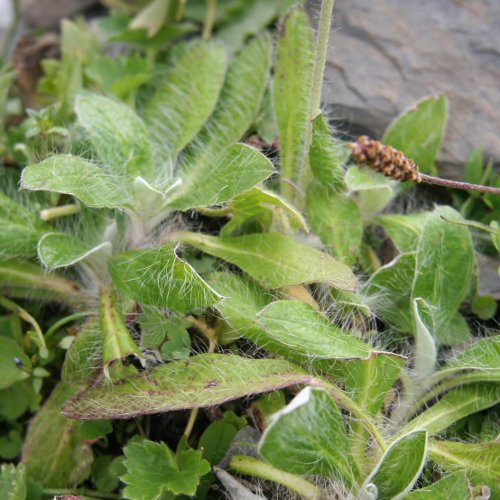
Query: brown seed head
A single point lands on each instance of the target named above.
(384, 159)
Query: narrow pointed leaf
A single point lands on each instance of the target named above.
(184, 101)
(119, 136)
(200, 381)
(455, 405)
(453, 486)
(418, 132)
(400, 466)
(158, 277)
(292, 87)
(308, 437)
(302, 330)
(62, 250)
(237, 169)
(72, 175)
(424, 351)
(257, 255)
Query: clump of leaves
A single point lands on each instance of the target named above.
(201, 269)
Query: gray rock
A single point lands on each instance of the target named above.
(385, 55)
(48, 13)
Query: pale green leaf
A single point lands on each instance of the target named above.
(302, 330)
(10, 372)
(400, 466)
(186, 98)
(418, 132)
(72, 175)
(236, 169)
(118, 135)
(292, 87)
(424, 350)
(452, 486)
(257, 255)
(200, 381)
(336, 219)
(158, 277)
(152, 17)
(12, 482)
(308, 437)
(62, 250)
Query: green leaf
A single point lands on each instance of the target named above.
(201, 381)
(158, 277)
(326, 157)
(452, 486)
(57, 250)
(215, 441)
(292, 87)
(118, 135)
(72, 175)
(51, 446)
(10, 445)
(244, 86)
(17, 399)
(152, 471)
(10, 371)
(478, 460)
(473, 169)
(94, 429)
(484, 307)
(265, 207)
(308, 437)
(455, 405)
(186, 98)
(256, 254)
(302, 330)
(12, 484)
(400, 466)
(418, 132)
(424, 350)
(336, 219)
(236, 170)
(152, 17)
(103, 475)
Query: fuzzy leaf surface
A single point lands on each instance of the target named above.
(72, 175)
(400, 466)
(292, 86)
(158, 277)
(308, 437)
(186, 98)
(57, 250)
(237, 169)
(200, 381)
(153, 471)
(12, 484)
(301, 329)
(119, 136)
(275, 260)
(452, 486)
(418, 132)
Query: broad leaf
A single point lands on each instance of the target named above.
(153, 471)
(62, 250)
(274, 259)
(200, 381)
(418, 132)
(478, 460)
(455, 405)
(119, 136)
(292, 86)
(308, 437)
(400, 466)
(15, 365)
(336, 219)
(158, 277)
(12, 482)
(186, 98)
(302, 330)
(72, 175)
(453, 486)
(237, 169)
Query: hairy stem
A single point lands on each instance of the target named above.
(428, 179)
(209, 19)
(252, 467)
(56, 212)
(65, 321)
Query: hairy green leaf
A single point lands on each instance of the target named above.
(452, 486)
(308, 437)
(200, 381)
(11, 356)
(400, 466)
(12, 482)
(158, 277)
(257, 255)
(72, 175)
(119, 136)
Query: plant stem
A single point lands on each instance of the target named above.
(66, 320)
(62, 211)
(252, 467)
(11, 33)
(215, 212)
(428, 179)
(83, 492)
(209, 19)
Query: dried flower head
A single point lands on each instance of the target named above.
(384, 159)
